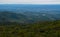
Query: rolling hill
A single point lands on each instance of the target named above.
(27, 16)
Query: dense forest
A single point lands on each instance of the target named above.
(37, 29)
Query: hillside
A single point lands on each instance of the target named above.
(38, 29)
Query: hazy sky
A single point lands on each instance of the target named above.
(29, 1)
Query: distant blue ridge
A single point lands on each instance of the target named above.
(24, 7)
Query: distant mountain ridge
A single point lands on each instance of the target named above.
(26, 7)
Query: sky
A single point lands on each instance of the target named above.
(29, 1)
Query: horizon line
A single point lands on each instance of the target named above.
(28, 4)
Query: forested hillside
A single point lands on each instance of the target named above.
(38, 29)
